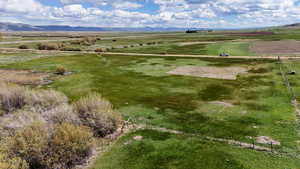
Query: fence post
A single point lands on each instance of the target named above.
(271, 146)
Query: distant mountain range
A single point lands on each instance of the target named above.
(4, 26)
(292, 25)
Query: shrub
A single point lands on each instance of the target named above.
(7, 162)
(60, 70)
(50, 46)
(99, 50)
(30, 144)
(23, 47)
(98, 114)
(61, 114)
(43, 100)
(11, 97)
(76, 42)
(69, 145)
(16, 121)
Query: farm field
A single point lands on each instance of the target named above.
(182, 112)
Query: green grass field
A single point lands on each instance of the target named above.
(141, 89)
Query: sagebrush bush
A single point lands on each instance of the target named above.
(98, 114)
(43, 147)
(99, 50)
(61, 114)
(50, 46)
(60, 70)
(12, 97)
(43, 100)
(69, 145)
(30, 144)
(7, 162)
(23, 47)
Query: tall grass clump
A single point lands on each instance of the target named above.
(12, 97)
(98, 114)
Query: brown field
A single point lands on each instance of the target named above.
(276, 47)
(228, 73)
(250, 33)
(22, 77)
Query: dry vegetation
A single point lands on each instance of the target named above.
(22, 77)
(40, 129)
(228, 73)
(276, 47)
(50, 46)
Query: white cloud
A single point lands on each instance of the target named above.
(174, 13)
(126, 5)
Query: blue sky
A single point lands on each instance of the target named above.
(152, 13)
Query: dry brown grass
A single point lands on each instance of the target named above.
(98, 114)
(276, 47)
(22, 77)
(12, 97)
(229, 73)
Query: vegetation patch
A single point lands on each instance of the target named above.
(23, 77)
(228, 73)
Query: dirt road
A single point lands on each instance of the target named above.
(152, 55)
(202, 56)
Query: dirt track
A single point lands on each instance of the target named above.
(202, 56)
(152, 55)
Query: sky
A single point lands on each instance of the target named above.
(152, 13)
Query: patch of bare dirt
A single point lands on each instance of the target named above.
(276, 47)
(225, 104)
(266, 140)
(228, 73)
(22, 77)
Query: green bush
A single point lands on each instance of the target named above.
(98, 114)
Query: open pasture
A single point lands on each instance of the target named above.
(186, 112)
